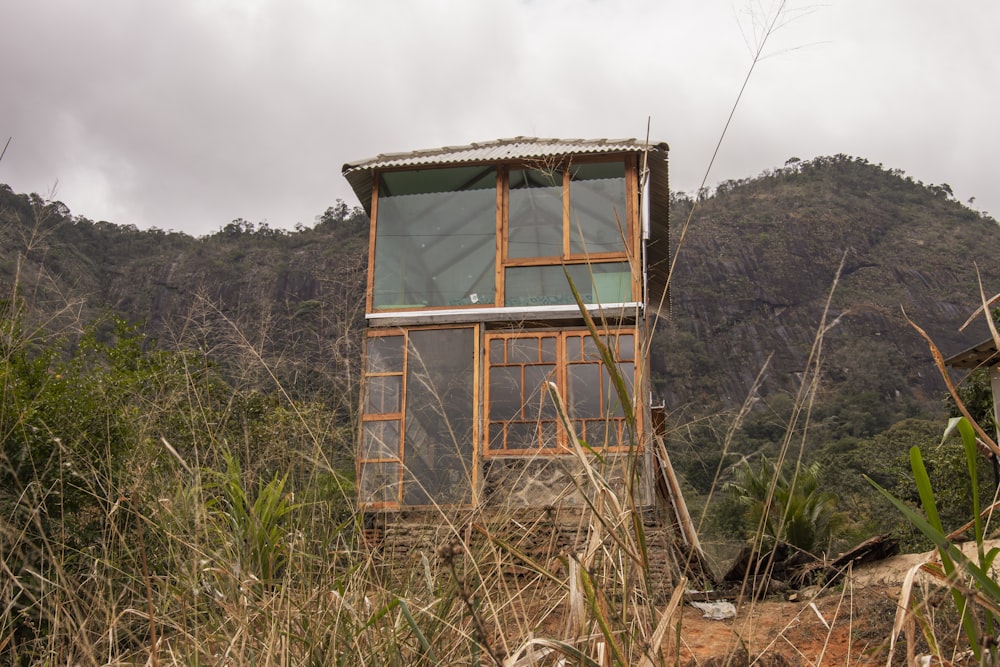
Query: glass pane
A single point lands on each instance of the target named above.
(549, 349)
(496, 350)
(379, 483)
(613, 404)
(547, 285)
(535, 218)
(522, 350)
(612, 285)
(496, 432)
(384, 354)
(584, 390)
(505, 393)
(536, 393)
(522, 435)
(574, 348)
(380, 440)
(382, 394)
(440, 415)
(435, 238)
(597, 196)
(590, 351)
(604, 432)
(626, 347)
(550, 435)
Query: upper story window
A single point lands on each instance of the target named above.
(576, 212)
(505, 235)
(435, 238)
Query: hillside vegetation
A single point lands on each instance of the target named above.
(754, 273)
(178, 413)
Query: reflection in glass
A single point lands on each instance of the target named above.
(584, 390)
(537, 404)
(380, 440)
(496, 350)
(626, 347)
(547, 285)
(435, 238)
(597, 196)
(522, 350)
(384, 354)
(440, 415)
(379, 483)
(523, 435)
(382, 394)
(535, 218)
(505, 393)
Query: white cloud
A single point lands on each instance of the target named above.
(186, 114)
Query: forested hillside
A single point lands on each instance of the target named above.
(755, 267)
(761, 258)
(177, 414)
(294, 299)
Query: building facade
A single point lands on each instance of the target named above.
(511, 289)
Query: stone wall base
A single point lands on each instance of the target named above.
(518, 543)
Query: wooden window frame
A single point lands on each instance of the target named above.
(628, 218)
(630, 223)
(397, 417)
(562, 366)
(400, 417)
(372, 234)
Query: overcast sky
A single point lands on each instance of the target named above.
(186, 114)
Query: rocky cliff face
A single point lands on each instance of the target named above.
(761, 258)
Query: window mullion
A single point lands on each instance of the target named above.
(563, 384)
(567, 223)
(402, 416)
(503, 224)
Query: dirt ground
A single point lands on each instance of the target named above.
(849, 624)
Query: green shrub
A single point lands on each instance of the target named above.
(790, 509)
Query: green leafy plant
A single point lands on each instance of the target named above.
(257, 522)
(791, 509)
(974, 591)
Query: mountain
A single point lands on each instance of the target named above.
(754, 269)
(262, 305)
(761, 257)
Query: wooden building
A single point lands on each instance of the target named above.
(473, 327)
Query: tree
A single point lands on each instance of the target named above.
(789, 509)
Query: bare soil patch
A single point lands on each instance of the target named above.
(846, 625)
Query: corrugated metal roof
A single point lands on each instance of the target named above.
(360, 174)
(501, 149)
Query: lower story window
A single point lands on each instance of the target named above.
(418, 418)
(521, 417)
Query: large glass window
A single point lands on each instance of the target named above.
(435, 238)
(418, 421)
(440, 417)
(437, 243)
(535, 213)
(547, 285)
(520, 415)
(576, 212)
(598, 222)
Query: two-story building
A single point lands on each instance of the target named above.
(473, 328)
